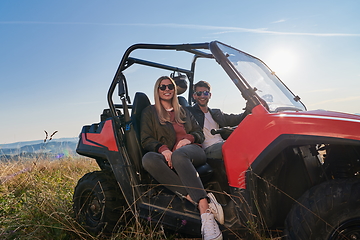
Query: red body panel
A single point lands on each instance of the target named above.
(105, 138)
(261, 128)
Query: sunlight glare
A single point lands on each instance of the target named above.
(282, 61)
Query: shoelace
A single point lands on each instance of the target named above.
(209, 224)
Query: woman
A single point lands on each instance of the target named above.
(171, 136)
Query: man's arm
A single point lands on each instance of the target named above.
(227, 120)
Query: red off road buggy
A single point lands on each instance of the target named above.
(288, 171)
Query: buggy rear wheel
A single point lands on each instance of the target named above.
(329, 211)
(98, 203)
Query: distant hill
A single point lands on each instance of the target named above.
(56, 148)
(20, 144)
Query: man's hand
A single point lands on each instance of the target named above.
(167, 154)
(248, 107)
(182, 142)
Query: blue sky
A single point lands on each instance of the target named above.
(59, 57)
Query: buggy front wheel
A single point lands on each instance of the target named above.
(98, 203)
(329, 211)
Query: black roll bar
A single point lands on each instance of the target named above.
(126, 62)
(157, 65)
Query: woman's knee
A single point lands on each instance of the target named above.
(191, 153)
(180, 157)
(150, 160)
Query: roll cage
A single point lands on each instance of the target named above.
(196, 49)
(127, 61)
(209, 50)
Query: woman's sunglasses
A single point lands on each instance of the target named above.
(206, 93)
(169, 86)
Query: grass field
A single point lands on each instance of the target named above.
(36, 201)
(36, 198)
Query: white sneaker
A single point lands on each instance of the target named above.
(209, 228)
(216, 208)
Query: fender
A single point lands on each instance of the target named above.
(261, 128)
(100, 140)
(102, 136)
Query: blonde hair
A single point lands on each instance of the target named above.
(161, 112)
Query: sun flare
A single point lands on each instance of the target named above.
(282, 61)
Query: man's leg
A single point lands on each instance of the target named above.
(215, 160)
(214, 151)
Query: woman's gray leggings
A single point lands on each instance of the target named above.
(185, 180)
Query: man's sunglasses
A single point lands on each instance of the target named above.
(206, 93)
(163, 87)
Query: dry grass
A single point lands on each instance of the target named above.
(36, 201)
(36, 198)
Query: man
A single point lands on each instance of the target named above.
(211, 119)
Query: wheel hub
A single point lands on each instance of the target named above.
(349, 230)
(94, 208)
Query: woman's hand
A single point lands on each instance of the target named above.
(167, 154)
(182, 142)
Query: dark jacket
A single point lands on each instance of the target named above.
(223, 119)
(154, 135)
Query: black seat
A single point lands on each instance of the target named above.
(141, 101)
(132, 133)
(183, 102)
